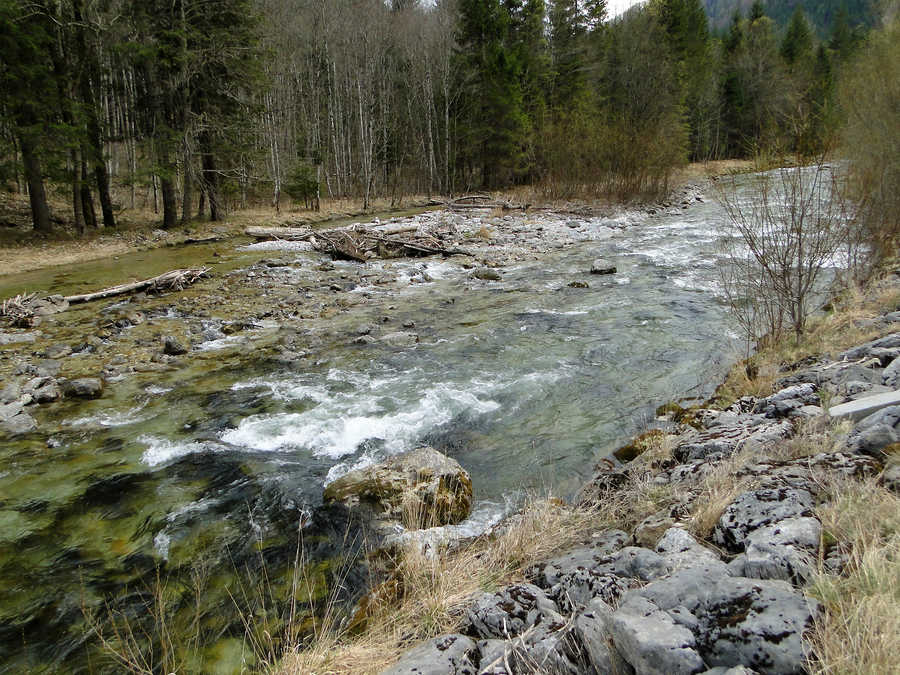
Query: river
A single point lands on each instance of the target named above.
(201, 475)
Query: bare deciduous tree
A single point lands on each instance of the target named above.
(791, 226)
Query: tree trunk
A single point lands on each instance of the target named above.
(40, 212)
(170, 207)
(201, 208)
(77, 194)
(87, 200)
(211, 179)
(187, 190)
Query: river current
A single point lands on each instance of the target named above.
(526, 381)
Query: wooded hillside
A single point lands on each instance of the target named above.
(202, 107)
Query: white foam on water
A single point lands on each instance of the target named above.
(191, 507)
(286, 390)
(161, 450)
(110, 419)
(221, 343)
(161, 544)
(574, 312)
(337, 426)
(278, 245)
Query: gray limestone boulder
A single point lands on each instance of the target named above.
(495, 656)
(579, 587)
(651, 641)
(549, 573)
(759, 508)
(444, 655)
(47, 393)
(875, 432)
(634, 562)
(888, 342)
(509, 612)
(548, 648)
(785, 550)
(20, 423)
(789, 401)
(756, 623)
(735, 620)
(890, 377)
(751, 432)
(680, 550)
(590, 633)
(603, 266)
(686, 588)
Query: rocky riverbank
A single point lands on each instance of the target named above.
(716, 581)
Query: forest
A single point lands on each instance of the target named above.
(199, 108)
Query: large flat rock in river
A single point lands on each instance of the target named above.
(863, 407)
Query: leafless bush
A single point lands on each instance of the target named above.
(793, 224)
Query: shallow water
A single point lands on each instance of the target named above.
(527, 382)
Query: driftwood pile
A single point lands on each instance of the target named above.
(361, 243)
(469, 202)
(21, 310)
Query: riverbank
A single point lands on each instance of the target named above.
(757, 531)
(23, 251)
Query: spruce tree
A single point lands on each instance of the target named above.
(29, 90)
(494, 125)
(798, 43)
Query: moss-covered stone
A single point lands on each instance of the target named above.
(422, 488)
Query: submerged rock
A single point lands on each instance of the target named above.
(83, 387)
(172, 346)
(420, 488)
(603, 266)
(20, 423)
(486, 274)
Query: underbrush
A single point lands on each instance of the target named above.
(846, 323)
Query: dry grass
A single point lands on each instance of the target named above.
(840, 328)
(718, 489)
(22, 250)
(860, 630)
(428, 593)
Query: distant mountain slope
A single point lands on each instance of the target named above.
(820, 13)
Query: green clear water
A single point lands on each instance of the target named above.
(201, 475)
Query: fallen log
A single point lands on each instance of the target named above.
(174, 280)
(285, 233)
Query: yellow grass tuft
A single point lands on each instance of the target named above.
(860, 630)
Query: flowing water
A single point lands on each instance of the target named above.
(202, 475)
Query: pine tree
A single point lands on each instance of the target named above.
(757, 11)
(798, 43)
(29, 90)
(687, 35)
(567, 47)
(494, 126)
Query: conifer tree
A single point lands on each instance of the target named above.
(798, 43)
(494, 125)
(29, 92)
